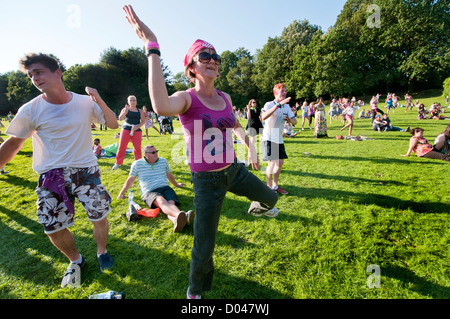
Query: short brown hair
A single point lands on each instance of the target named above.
(415, 130)
(51, 63)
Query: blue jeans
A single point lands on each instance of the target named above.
(210, 189)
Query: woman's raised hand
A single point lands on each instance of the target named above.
(143, 32)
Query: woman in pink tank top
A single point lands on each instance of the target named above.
(208, 123)
(422, 148)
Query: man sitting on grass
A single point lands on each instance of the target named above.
(153, 173)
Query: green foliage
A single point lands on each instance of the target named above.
(446, 87)
(20, 90)
(410, 47)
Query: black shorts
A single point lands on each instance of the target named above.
(273, 151)
(166, 192)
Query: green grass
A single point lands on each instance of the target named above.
(350, 205)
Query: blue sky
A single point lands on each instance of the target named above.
(78, 31)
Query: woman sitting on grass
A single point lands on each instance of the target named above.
(422, 112)
(442, 141)
(422, 148)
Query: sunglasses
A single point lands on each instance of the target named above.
(205, 57)
(154, 152)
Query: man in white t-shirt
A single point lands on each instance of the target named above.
(275, 113)
(154, 173)
(59, 123)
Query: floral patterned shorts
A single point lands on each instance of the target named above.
(81, 183)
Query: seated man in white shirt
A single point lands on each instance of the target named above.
(153, 173)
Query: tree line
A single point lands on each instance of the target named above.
(375, 46)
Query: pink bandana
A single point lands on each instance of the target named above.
(195, 48)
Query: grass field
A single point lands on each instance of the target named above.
(351, 205)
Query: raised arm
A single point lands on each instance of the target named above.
(162, 103)
(110, 117)
(265, 115)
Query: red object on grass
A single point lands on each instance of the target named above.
(146, 212)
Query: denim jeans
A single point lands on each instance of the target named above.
(210, 189)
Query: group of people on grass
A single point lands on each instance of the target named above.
(68, 168)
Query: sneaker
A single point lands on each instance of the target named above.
(72, 277)
(131, 213)
(5, 172)
(190, 216)
(180, 222)
(105, 261)
(190, 296)
(116, 166)
(272, 212)
(281, 191)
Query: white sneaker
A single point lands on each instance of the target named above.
(72, 277)
(272, 212)
(116, 166)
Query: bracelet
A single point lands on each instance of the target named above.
(278, 105)
(153, 51)
(152, 45)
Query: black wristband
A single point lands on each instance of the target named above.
(153, 51)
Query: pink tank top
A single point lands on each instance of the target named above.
(208, 135)
(422, 147)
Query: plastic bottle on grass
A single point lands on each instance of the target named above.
(130, 197)
(108, 295)
(131, 200)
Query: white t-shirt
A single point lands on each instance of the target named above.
(61, 133)
(274, 124)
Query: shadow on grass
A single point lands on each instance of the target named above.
(19, 181)
(142, 272)
(356, 180)
(420, 285)
(17, 249)
(379, 160)
(375, 199)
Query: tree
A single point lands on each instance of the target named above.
(180, 82)
(274, 61)
(20, 90)
(409, 45)
(5, 106)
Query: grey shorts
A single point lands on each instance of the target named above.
(81, 183)
(166, 192)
